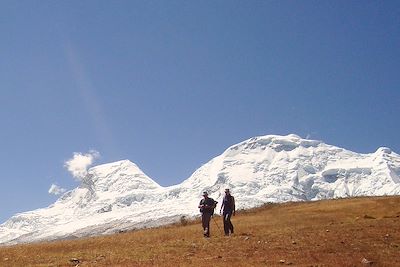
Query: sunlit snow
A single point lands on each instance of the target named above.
(119, 196)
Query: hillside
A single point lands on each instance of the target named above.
(119, 196)
(344, 232)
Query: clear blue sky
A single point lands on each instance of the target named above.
(171, 84)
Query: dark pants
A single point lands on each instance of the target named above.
(205, 220)
(228, 226)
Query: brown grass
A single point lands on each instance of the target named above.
(324, 233)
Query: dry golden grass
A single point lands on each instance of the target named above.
(324, 233)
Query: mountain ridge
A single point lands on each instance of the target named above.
(119, 196)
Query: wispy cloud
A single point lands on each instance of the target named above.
(90, 100)
(79, 163)
(56, 190)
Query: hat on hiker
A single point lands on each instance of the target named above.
(205, 193)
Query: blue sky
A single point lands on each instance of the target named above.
(171, 84)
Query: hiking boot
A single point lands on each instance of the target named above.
(206, 233)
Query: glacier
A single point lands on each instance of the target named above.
(118, 196)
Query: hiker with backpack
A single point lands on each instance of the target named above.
(227, 210)
(207, 206)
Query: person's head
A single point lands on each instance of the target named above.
(205, 194)
(227, 192)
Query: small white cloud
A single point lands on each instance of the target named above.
(308, 136)
(56, 190)
(79, 163)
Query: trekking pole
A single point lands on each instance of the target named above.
(217, 225)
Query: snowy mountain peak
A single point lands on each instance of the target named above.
(119, 176)
(276, 143)
(272, 168)
(383, 150)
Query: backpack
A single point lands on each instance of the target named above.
(214, 206)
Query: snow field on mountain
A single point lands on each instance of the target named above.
(118, 196)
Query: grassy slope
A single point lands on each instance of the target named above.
(324, 233)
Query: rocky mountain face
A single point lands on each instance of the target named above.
(119, 196)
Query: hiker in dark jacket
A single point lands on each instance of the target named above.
(206, 207)
(228, 208)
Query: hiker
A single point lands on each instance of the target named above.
(228, 208)
(206, 207)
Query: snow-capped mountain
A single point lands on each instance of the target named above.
(119, 196)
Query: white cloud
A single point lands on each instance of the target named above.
(79, 163)
(56, 190)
